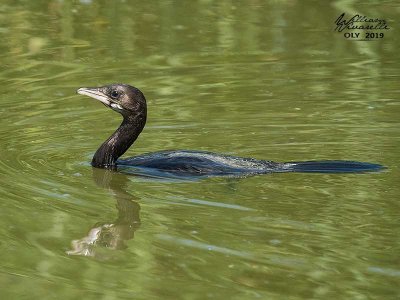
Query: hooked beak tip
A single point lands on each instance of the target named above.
(81, 91)
(95, 93)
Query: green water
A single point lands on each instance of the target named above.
(270, 80)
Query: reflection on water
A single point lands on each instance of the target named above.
(111, 235)
(263, 79)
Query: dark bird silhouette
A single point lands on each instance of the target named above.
(131, 104)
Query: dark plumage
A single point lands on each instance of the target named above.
(131, 104)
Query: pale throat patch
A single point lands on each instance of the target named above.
(116, 107)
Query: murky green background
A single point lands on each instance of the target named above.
(268, 80)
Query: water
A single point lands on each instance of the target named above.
(263, 80)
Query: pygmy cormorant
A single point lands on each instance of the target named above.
(131, 104)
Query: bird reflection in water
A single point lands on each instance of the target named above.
(110, 235)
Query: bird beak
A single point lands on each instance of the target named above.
(96, 94)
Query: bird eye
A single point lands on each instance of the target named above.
(114, 94)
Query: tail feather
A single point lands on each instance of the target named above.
(332, 166)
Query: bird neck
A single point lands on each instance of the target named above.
(120, 141)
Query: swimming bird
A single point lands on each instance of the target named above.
(131, 104)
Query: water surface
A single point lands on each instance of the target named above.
(248, 78)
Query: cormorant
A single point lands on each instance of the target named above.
(131, 104)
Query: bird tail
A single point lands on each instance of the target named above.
(331, 166)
